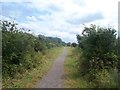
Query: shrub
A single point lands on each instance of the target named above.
(21, 50)
(98, 46)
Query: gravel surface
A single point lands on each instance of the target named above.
(53, 79)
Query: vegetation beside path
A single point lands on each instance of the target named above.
(30, 78)
(95, 62)
(24, 54)
(72, 78)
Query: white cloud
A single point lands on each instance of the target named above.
(32, 18)
(54, 22)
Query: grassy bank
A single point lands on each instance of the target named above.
(30, 78)
(72, 78)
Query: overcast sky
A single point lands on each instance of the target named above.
(61, 18)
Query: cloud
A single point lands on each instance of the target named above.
(32, 18)
(79, 2)
(92, 17)
(85, 19)
(61, 18)
(54, 7)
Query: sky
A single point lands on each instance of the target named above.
(60, 18)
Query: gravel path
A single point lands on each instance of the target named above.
(53, 79)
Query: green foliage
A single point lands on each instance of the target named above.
(105, 79)
(99, 46)
(30, 77)
(72, 76)
(20, 48)
(74, 45)
(68, 44)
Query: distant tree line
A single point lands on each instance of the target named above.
(69, 44)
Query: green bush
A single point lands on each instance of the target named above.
(98, 46)
(21, 50)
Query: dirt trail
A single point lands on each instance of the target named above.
(53, 79)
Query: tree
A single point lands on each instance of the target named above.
(74, 44)
(98, 48)
(68, 44)
(19, 48)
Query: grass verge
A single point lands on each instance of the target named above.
(72, 77)
(30, 78)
